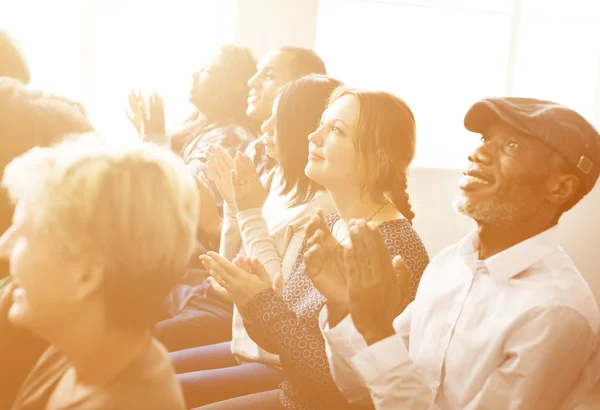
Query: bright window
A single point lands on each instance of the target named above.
(440, 56)
(95, 51)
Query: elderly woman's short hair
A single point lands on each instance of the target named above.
(131, 210)
(13, 63)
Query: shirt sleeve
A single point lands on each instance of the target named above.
(231, 239)
(545, 356)
(261, 245)
(343, 342)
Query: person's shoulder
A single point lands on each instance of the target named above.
(42, 379)
(402, 240)
(400, 233)
(149, 383)
(554, 282)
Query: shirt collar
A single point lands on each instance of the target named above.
(514, 260)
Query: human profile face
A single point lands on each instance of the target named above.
(506, 179)
(206, 81)
(46, 295)
(269, 133)
(272, 72)
(332, 154)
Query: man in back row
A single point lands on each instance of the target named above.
(503, 319)
(203, 317)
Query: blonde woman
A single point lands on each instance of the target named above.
(99, 237)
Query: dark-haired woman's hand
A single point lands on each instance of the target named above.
(220, 165)
(210, 219)
(324, 265)
(377, 287)
(148, 118)
(238, 281)
(248, 190)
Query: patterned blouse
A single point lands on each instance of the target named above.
(288, 325)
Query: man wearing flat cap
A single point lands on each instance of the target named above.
(502, 319)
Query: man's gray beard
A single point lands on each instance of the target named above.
(502, 210)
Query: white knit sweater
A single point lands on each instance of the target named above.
(273, 235)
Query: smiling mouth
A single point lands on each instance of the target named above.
(476, 179)
(473, 179)
(315, 157)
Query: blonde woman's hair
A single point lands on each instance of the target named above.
(131, 210)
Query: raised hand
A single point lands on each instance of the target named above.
(137, 111)
(148, 118)
(378, 289)
(239, 281)
(324, 265)
(220, 165)
(210, 220)
(248, 190)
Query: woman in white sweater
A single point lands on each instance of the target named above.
(265, 216)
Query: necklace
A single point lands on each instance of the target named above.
(348, 234)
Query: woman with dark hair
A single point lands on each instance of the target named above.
(219, 94)
(266, 223)
(360, 153)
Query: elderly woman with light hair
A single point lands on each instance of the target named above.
(100, 235)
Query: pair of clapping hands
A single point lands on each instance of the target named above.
(236, 179)
(359, 279)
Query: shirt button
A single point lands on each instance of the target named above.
(435, 385)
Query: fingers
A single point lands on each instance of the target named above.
(142, 106)
(203, 184)
(311, 226)
(351, 270)
(214, 270)
(203, 179)
(381, 261)
(313, 260)
(213, 167)
(219, 157)
(245, 170)
(226, 162)
(243, 262)
(317, 221)
(403, 273)
(236, 182)
(221, 291)
(259, 270)
(224, 269)
(278, 284)
(130, 115)
(316, 238)
(360, 248)
(399, 265)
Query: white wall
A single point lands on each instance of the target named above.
(263, 25)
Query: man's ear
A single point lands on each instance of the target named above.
(562, 187)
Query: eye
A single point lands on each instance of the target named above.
(512, 146)
(269, 77)
(483, 140)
